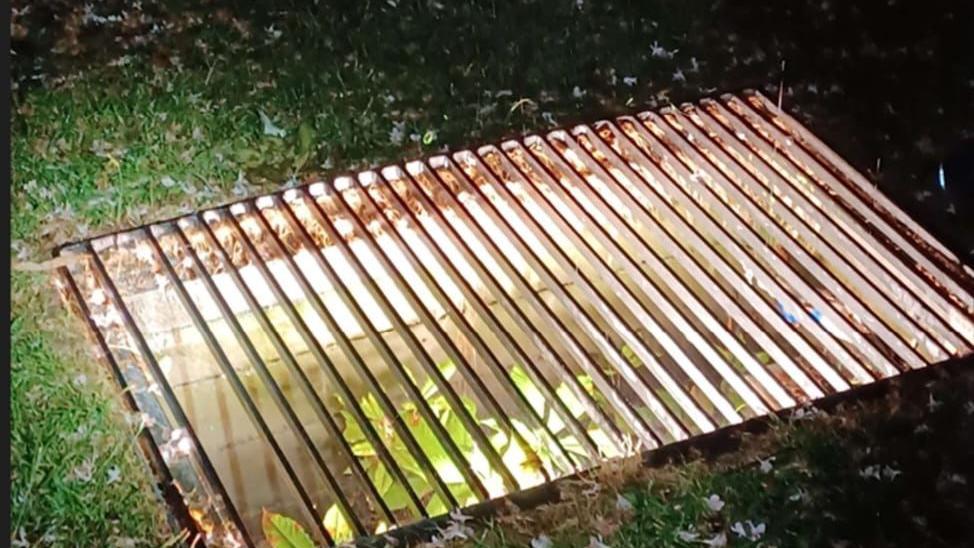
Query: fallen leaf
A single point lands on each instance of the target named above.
(284, 532)
(714, 503)
(269, 127)
(541, 541)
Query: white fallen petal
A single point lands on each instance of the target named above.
(871, 471)
(269, 127)
(114, 474)
(890, 473)
(458, 516)
(801, 495)
(541, 541)
(397, 133)
(456, 531)
(97, 296)
(714, 503)
(20, 541)
(623, 504)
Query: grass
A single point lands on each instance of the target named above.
(75, 473)
(103, 145)
(175, 126)
(117, 124)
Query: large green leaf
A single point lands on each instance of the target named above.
(380, 477)
(405, 459)
(431, 447)
(353, 434)
(283, 532)
(531, 392)
(336, 524)
(436, 507)
(454, 426)
(396, 497)
(371, 408)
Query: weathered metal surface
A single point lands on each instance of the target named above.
(375, 350)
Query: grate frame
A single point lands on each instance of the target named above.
(758, 227)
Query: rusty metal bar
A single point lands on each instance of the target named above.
(158, 463)
(431, 369)
(456, 315)
(387, 405)
(328, 366)
(481, 391)
(584, 360)
(228, 370)
(623, 285)
(647, 199)
(393, 175)
(294, 369)
(704, 421)
(169, 396)
(565, 176)
(838, 249)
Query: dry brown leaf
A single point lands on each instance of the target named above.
(605, 526)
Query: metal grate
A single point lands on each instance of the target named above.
(365, 353)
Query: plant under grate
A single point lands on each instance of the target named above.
(366, 353)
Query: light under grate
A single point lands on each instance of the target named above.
(365, 353)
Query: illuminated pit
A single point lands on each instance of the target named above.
(364, 353)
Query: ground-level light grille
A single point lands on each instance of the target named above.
(365, 353)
